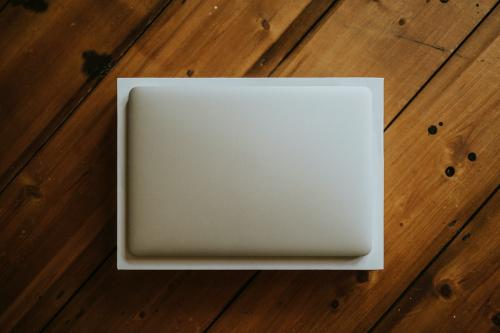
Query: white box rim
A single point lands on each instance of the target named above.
(374, 260)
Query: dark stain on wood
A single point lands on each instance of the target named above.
(444, 1)
(60, 294)
(471, 156)
(449, 171)
(37, 6)
(95, 64)
(452, 223)
(432, 130)
(80, 313)
(445, 291)
(440, 123)
(496, 319)
(31, 191)
(142, 314)
(402, 21)
(265, 24)
(362, 276)
(466, 236)
(189, 72)
(335, 304)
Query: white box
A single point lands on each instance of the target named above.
(373, 260)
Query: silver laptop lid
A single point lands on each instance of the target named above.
(249, 171)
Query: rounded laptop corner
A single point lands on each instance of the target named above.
(365, 247)
(135, 248)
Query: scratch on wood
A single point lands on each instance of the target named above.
(437, 47)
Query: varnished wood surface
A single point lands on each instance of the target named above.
(440, 61)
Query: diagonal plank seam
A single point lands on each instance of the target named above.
(438, 254)
(96, 269)
(231, 301)
(309, 32)
(42, 139)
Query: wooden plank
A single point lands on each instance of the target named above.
(60, 210)
(52, 53)
(459, 291)
(423, 206)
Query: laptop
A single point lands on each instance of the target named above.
(251, 170)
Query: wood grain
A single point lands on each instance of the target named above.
(52, 54)
(61, 207)
(423, 206)
(459, 291)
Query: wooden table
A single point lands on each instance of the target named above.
(59, 60)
